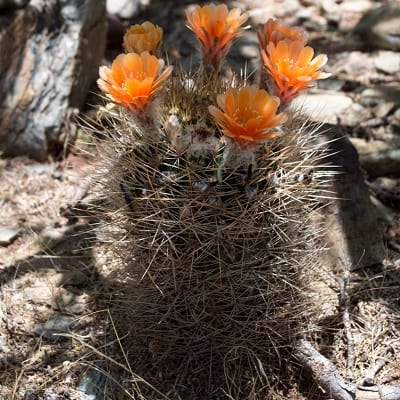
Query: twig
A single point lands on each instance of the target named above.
(325, 374)
(344, 306)
(369, 376)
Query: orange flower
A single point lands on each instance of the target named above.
(145, 37)
(248, 114)
(292, 68)
(274, 31)
(133, 80)
(215, 27)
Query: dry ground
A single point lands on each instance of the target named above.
(55, 265)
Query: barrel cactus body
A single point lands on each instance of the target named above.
(215, 217)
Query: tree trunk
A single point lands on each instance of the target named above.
(50, 53)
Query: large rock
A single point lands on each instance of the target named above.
(380, 28)
(353, 234)
(50, 53)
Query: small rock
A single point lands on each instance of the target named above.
(388, 61)
(384, 213)
(323, 106)
(306, 13)
(73, 304)
(383, 109)
(380, 93)
(260, 14)
(54, 326)
(291, 7)
(247, 46)
(7, 235)
(257, 14)
(333, 84)
(387, 190)
(92, 385)
(74, 278)
(350, 13)
(330, 107)
(396, 118)
(39, 168)
(31, 395)
(244, 51)
(4, 346)
(380, 27)
(377, 158)
(78, 308)
(388, 184)
(329, 6)
(364, 147)
(357, 6)
(50, 395)
(317, 23)
(126, 9)
(356, 64)
(355, 115)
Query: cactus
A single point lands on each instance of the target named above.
(211, 187)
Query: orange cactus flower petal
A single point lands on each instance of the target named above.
(133, 79)
(319, 61)
(118, 72)
(131, 63)
(215, 27)
(305, 55)
(144, 37)
(291, 67)
(247, 114)
(274, 31)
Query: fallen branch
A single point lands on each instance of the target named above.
(344, 306)
(323, 372)
(325, 375)
(369, 376)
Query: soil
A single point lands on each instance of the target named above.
(54, 265)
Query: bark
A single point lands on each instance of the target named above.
(323, 372)
(51, 50)
(326, 376)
